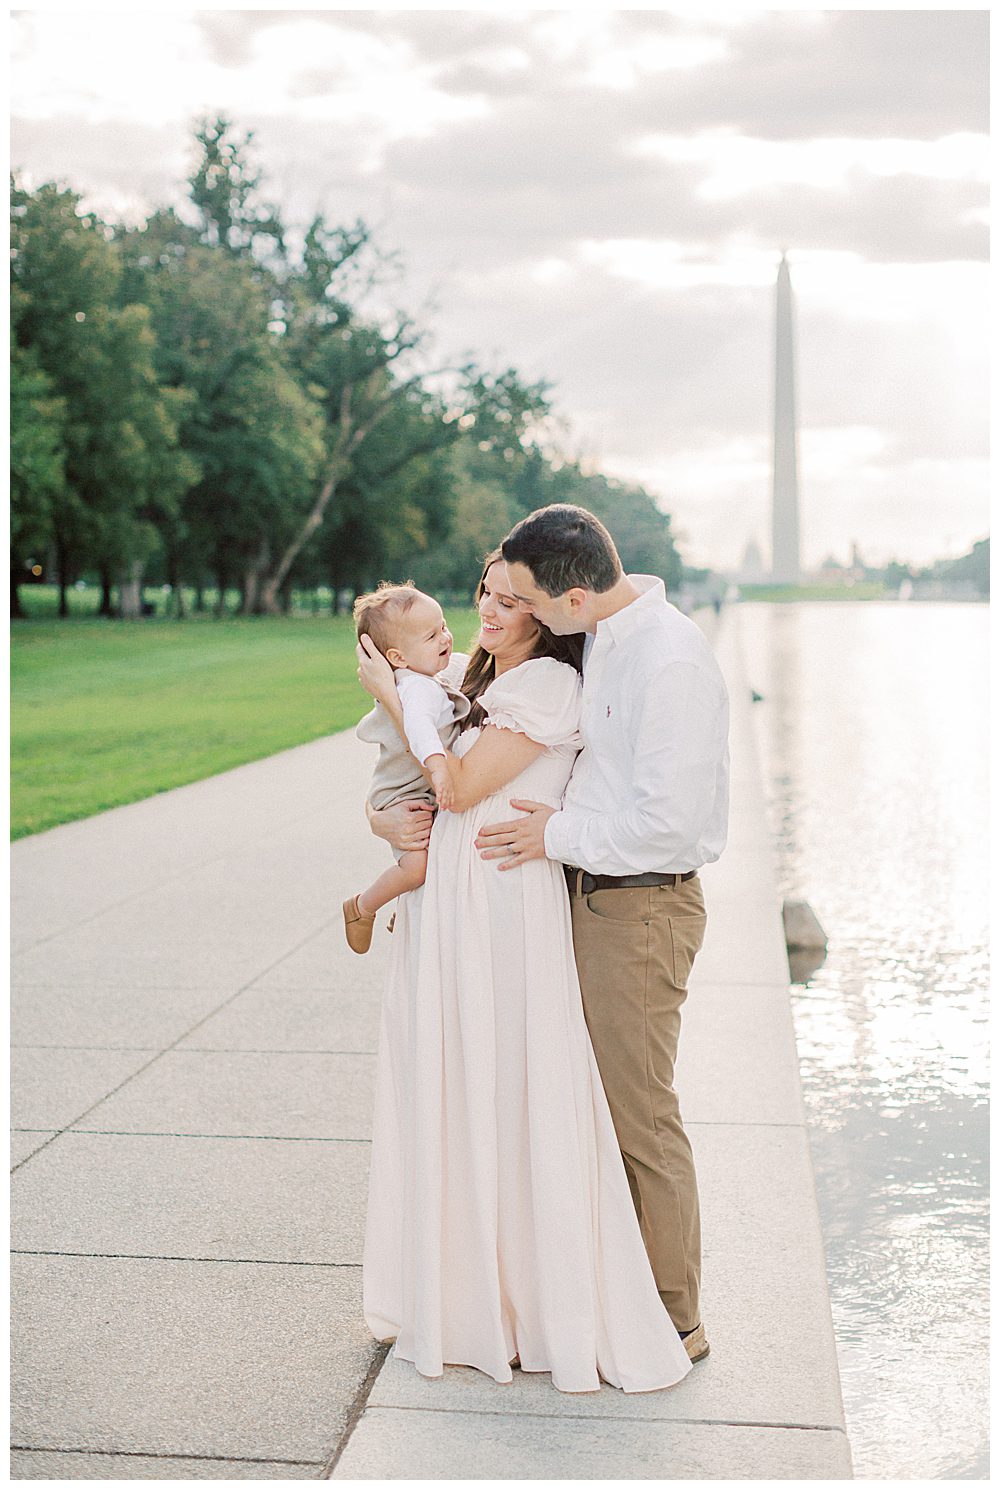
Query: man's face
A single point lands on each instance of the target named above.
(557, 612)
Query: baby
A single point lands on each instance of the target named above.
(410, 631)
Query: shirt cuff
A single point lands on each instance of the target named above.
(556, 845)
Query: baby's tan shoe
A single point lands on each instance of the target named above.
(357, 928)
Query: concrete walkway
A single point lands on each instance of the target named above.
(192, 1085)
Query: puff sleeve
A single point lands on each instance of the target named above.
(541, 698)
(452, 675)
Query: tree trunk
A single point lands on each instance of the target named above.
(222, 580)
(251, 592)
(347, 438)
(106, 607)
(63, 561)
(16, 608)
(199, 596)
(130, 592)
(253, 582)
(176, 588)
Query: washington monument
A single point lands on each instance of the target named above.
(785, 564)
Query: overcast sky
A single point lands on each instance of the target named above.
(601, 198)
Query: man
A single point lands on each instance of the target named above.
(646, 807)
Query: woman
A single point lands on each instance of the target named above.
(500, 1223)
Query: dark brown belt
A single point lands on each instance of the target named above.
(582, 883)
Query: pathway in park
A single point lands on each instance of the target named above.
(193, 1057)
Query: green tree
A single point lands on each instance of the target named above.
(485, 510)
(225, 188)
(123, 467)
(396, 503)
(253, 430)
(37, 464)
(375, 420)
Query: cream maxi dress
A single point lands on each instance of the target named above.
(500, 1221)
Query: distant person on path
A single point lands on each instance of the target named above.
(409, 630)
(500, 1226)
(646, 807)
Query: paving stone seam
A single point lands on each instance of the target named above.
(196, 1049)
(22, 985)
(323, 1138)
(358, 1406)
(229, 1137)
(193, 1050)
(29, 985)
(118, 1049)
(236, 1049)
(171, 879)
(174, 1043)
(266, 1262)
(32, 1448)
(253, 1050)
(586, 1417)
(724, 985)
(768, 983)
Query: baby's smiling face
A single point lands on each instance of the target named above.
(423, 642)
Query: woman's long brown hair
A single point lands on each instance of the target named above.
(482, 665)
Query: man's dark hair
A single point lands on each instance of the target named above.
(564, 547)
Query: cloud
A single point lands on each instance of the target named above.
(542, 173)
(597, 198)
(230, 35)
(121, 167)
(805, 75)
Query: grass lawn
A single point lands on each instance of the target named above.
(107, 712)
(863, 590)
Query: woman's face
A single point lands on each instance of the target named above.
(506, 630)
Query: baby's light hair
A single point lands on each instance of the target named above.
(379, 613)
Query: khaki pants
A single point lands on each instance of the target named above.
(634, 950)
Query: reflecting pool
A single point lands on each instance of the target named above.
(873, 732)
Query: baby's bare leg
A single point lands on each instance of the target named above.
(407, 874)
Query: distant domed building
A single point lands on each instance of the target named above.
(752, 571)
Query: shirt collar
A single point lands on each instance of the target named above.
(633, 616)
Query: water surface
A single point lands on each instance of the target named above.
(873, 729)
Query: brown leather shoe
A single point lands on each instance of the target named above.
(358, 928)
(695, 1344)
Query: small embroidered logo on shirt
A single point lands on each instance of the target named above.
(609, 711)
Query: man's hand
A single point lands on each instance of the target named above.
(437, 766)
(517, 842)
(406, 826)
(374, 674)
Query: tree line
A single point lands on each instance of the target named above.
(210, 402)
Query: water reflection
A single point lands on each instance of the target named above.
(873, 732)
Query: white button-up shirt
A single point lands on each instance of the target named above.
(650, 790)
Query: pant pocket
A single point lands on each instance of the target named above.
(624, 907)
(687, 933)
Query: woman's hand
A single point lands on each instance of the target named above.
(375, 674)
(406, 826)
